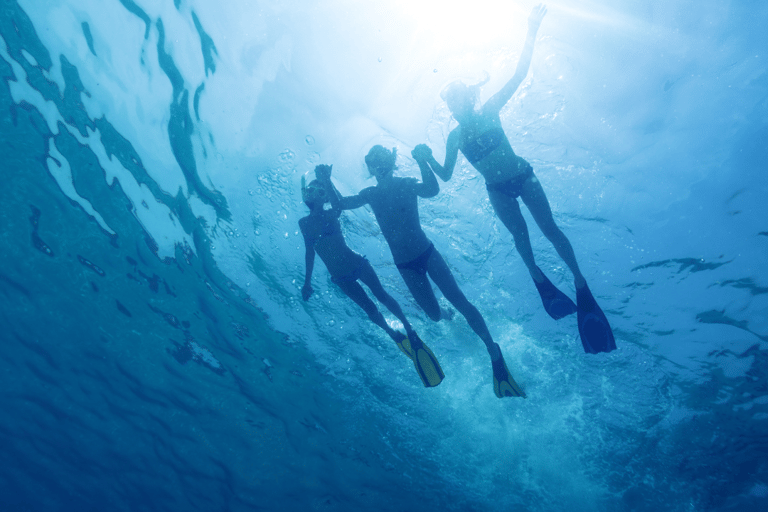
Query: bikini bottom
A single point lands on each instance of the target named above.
(354, 275)
(514, 187)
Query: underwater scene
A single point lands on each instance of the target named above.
(193, 192)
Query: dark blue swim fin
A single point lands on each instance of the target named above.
(595, 332)
(423, 359)
(557, 304)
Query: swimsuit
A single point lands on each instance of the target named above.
(354, 275)
(482, 146)
(512, 187)
(418, 265)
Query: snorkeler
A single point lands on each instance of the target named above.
(395, 204)
(322, 235)
(483, 142)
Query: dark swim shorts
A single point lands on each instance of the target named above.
(418, 265)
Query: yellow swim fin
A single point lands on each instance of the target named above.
(423, 359)
(503, 383)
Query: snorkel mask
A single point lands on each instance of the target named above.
(462, 97)
(314, 194)
(381, 161)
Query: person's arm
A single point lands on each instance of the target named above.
(323, 174)
(428, 187)
(444, 172)
(309, 262)
(352, 202)
(498, 100)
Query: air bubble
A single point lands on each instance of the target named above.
(309, 140)
(313, 157)
(434, 70)
(287, 156)
(379, 59)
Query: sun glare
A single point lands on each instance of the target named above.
(451, 24)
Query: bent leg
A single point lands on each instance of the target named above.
(508, 211)
(371, 280)
(354, 291)
(536, 200)
(440, 273)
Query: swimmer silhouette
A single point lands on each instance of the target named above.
(322, 235)
(483, 142)
(394, 202)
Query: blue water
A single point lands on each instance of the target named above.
(156, 353)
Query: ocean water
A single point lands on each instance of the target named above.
(156, 354)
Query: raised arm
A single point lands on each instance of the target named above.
(427, 163)
(323, 174)
(428, 187)
(498, 100)
(422, 152)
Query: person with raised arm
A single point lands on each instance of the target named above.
(394, 202)
(482, 141)
(322, 235)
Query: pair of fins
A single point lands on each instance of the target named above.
(594, 330)
(431, 373)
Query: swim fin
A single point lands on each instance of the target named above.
(423, 359)
(595, 332)
(557, 304)
(503, 383)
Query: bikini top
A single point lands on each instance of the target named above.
(480, 147)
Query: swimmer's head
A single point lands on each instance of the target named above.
(381, 161)
(462, 98)
(314, 194)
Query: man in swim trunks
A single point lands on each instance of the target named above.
(483, 142)
(394, 202)
(322, 235)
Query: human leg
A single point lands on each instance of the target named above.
(503, 383)
(424, 360)
(536, 200)
(421, 289)
(371, 280)
(354, 291)
(440, 273)
(508, 211)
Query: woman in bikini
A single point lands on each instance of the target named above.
(322, 235)
(394, 202)
(483, 142)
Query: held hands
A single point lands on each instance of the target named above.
(307, 291)
(537, 14)
(421, 152)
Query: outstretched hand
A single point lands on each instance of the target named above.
(306, 291)
(323, 172)
(421, 152)
(537, 14)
